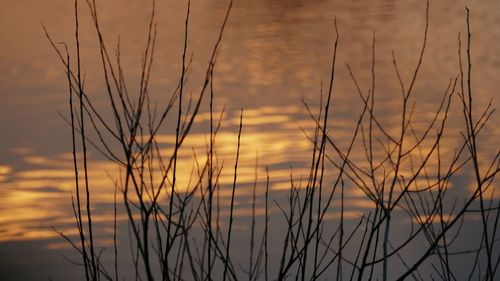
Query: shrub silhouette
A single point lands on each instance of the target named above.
(179, 234)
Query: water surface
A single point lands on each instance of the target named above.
(276, 55)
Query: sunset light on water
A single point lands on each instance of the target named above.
(275, 166)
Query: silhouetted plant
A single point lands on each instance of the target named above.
(403, 174)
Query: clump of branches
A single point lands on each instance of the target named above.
(178, 233)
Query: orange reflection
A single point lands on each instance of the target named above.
(39, 196)
(4, 172)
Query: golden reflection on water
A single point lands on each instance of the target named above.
(38, 196)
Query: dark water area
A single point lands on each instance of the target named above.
(275, 56)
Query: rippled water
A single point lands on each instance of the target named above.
(275, 56)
